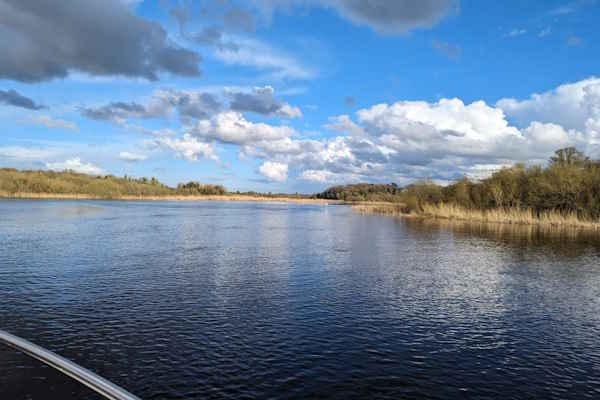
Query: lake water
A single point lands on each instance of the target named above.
(254, 300)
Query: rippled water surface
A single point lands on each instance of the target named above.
(240, 300)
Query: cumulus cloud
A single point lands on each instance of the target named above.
(570, 105)
(132, 157)
(52, 123)
(14, 98)
(47, 40)
(321, 176)
(261, 101)
(441, 140)
(343, 123)
(409, 140)
(231, 127)
(75, 164)
(274, 171)
(187, 146)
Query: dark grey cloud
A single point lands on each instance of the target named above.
(384, 16)
(197, 106)
(261, 101)
(237, 19)
(211, 36)
(13, 98)
(42, 40)
(217, 22)
(449, 50)
(188, 104)
(393, 16)
(116, 111)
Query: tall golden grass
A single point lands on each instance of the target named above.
(513, 216)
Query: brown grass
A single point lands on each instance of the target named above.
(513, 216)
(226, 197)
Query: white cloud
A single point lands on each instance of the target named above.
(445, 127)
(408, 140)
(131, 157)
(51, 123)
(76, 165)
(448, 139)
(256, 54)
(188, 147)
(232, 127)
(324, 176)
(274, 171)
(570, 105)
(343, 123)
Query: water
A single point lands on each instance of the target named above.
(240, 300)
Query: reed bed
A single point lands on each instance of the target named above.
(513, 216)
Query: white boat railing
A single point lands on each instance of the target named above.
(95, 382)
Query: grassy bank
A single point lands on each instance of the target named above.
(510, 216)
(70, 185)
(166, 197)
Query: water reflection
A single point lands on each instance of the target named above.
(563, 242)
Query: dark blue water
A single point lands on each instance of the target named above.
(241, 300)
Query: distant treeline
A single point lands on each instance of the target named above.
(107, 186)
(363, 192)
(569, 184)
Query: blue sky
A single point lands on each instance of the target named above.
(296, 95)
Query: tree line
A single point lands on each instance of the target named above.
(107, 186)
(569, 184)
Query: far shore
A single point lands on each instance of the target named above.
(225, 197)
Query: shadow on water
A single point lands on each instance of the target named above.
(563, 242)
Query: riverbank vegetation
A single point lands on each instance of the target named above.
(71, 183)
(564, 193)
(42, 184)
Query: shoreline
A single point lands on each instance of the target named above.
(226, 197)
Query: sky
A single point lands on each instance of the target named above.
(296, 95)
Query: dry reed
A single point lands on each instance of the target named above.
(513, 216)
